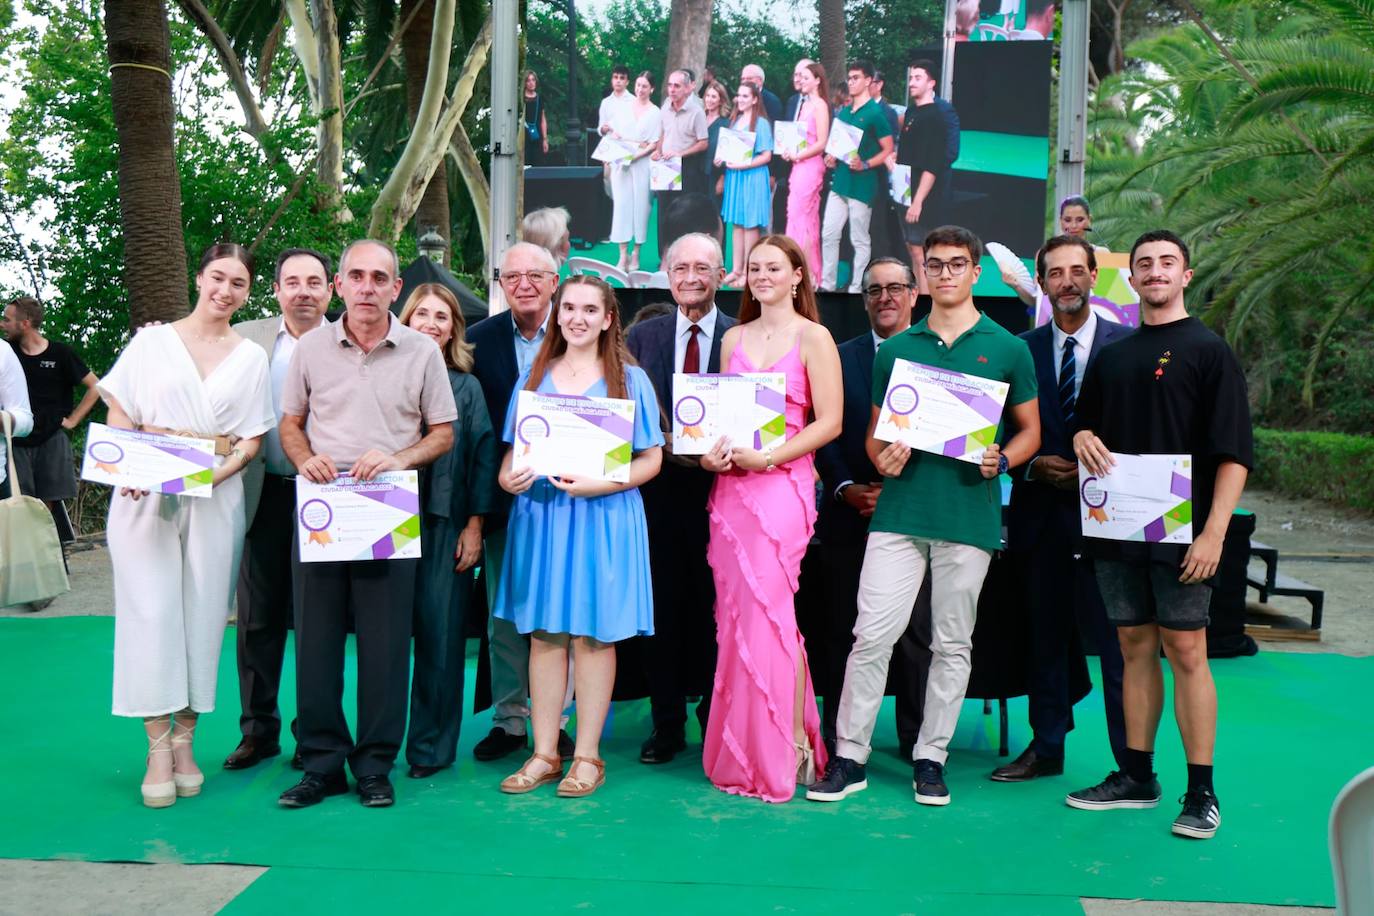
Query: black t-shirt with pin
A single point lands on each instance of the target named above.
(1171, 388)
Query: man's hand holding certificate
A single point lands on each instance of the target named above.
(156, 462)
(844, 141)
(749, 409)
(666, 174)
(1142, 498)
(350, 519)
(560, 435)
(735, 147)
(942, 412)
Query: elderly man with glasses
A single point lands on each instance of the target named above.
(935, 513)
(505, 346)
(680, 656)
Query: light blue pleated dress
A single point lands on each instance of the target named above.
(747, 199)
(580, 565)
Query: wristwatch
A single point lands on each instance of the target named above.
(1002, 464)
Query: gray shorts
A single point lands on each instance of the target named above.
(46, 471)
(1137, 595)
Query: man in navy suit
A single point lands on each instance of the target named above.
(1043, 534)
(851, 487)
(505, 345)
(681, 654)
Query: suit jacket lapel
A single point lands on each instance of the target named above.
(723, 324)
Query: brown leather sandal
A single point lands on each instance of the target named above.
(520, 782)
(572, 787)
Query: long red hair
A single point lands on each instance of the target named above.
(804, 302)
(610, 347)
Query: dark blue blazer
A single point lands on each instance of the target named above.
(1036, 506)
(493, 340)
(845, 458)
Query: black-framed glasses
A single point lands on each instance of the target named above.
(957, 266)
(875, 292)
(514, 277)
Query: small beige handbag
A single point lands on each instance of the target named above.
(31, 567)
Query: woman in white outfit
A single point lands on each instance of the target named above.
(630, 198)
(176, 558)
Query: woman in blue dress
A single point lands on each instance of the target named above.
(748, 204)
(576, 572)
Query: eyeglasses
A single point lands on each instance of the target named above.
(893, 290)
(957, 266)
(701, 270)
(514, 278)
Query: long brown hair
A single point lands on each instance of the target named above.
(458, 352)
(756, 110)
(804, 302)
(823, 89)
(610, 347)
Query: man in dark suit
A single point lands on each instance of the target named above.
(851, 487)
(505, 345)
(1043, 533)
(303, 290)
(680, 656)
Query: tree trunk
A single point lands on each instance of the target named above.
(330, 161)
(689, 36)
(433, 209)
(138, 45)
(833, 44)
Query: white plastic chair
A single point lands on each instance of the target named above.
(649, 279)
(1350, 835)
(593, 267)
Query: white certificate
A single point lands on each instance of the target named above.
(348, 519)
(1143, 498)
(844, 140)
(571, 435)
(939, 411)
(749, 409)
(790, 137)
(734, 146)
(156, 462)
(666, 174)
(612, 150)
(899, 184)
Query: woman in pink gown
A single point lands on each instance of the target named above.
(808, 167)
(764, 732)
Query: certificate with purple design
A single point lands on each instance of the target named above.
(940, 411)
(1143, 498)
(748, 408)
(156, 462)
(349, 519)
(562, 435)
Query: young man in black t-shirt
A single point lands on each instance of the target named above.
(1173, 387)
(923, 145)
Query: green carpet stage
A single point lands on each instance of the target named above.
(1294, 728)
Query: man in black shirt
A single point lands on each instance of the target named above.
(923, 145)
(52, 370)
(1173, 387)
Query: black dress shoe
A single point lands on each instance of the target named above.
(497, 744)
(313, 789)
(662, 746)
(1028, 766)
(250, 753)
(419, 771)
(566, 746)
(296, 762)
(376, 792)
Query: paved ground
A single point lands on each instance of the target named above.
(1329, 547)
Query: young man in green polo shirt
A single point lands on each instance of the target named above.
(854, 182)
(935, 512)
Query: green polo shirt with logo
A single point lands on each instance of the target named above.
(938, 498)
(862, 185)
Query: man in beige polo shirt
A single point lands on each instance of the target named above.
(362, 396)
(684, 136)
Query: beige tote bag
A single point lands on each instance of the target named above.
(31, 567)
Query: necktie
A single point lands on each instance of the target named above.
(1067, 368)
(691, 359)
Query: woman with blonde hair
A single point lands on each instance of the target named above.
(547, 227)
(457, 495)
(576, 571)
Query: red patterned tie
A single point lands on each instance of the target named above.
(691, 359)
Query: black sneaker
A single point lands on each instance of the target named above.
(928, 780)
(843, 777)
(1116, 791)
(1201, 815)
